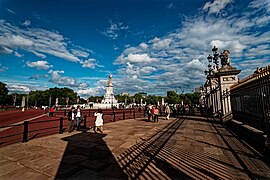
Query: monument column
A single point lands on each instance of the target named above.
(227, 76)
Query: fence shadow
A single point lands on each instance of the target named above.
(88, 157)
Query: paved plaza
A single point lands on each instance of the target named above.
(135, 149)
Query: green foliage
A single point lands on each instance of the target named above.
(188, 98)
(42, 98)
(3, 93)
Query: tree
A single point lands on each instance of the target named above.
(3, 93)
(172, 97)
(138, 98)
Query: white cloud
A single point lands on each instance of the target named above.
(56, 78)
(38, 41)
(181, 55)
(39, 54)
(260, 4)
(136, 58)
(18, 88)
(90, 63)
(170, 6)
(216, 6)
(39, 65)
(11, 11)
(5, 50)
(79, 53)
(159, 44)
(17, 54)
(113, 30)
(3, 68)
(143, 45)
(26, 23)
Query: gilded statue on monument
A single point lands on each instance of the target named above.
(110, 80)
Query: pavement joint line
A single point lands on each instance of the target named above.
(21, 122)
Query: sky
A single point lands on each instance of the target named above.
(148, 46)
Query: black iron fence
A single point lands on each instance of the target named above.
(250, 99)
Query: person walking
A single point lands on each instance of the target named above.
(153, 113)
(71, 116)
(78, 117)
(99, 121)
(167, 111)
(156, 114)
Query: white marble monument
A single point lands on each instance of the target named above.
(109, 96)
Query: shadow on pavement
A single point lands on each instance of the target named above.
(88, 157)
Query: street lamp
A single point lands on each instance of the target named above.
(212, 73)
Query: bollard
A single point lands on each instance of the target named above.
(65, 112)
(113, 116)
(124, 115)
(61, 125)
(133, 114)
(25, 131)
(84, 121)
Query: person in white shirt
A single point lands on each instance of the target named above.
(99, 121)
(167, 111)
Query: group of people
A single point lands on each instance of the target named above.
(153, 113)
(75, 116)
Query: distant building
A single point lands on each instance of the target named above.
(125, 94)
(143, 94)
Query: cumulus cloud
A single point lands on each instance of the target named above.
(180, 56)
(90, 63)
(56, 78)
(216, 6)
(39, 65)
(113, 30)
(26, 23)
(18, 88)
(136, 58)
(38, 41)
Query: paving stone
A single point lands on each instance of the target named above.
(25, 173)
(8, 167)
(136, 148)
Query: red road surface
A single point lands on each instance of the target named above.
(14, 116)
(45, 125)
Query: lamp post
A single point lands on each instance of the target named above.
(212, 73)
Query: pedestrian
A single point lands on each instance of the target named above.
(153, 113)
(71, 116)
(156, 114)
(99, 121)
(51, 110)
(167, 111)
(78, 113)
(148, 113)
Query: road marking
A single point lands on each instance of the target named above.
(21, 122)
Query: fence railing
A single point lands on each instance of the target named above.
(27, 130)
(250, 99)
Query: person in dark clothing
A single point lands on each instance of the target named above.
(71, 116)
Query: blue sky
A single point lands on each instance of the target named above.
(151, 46)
